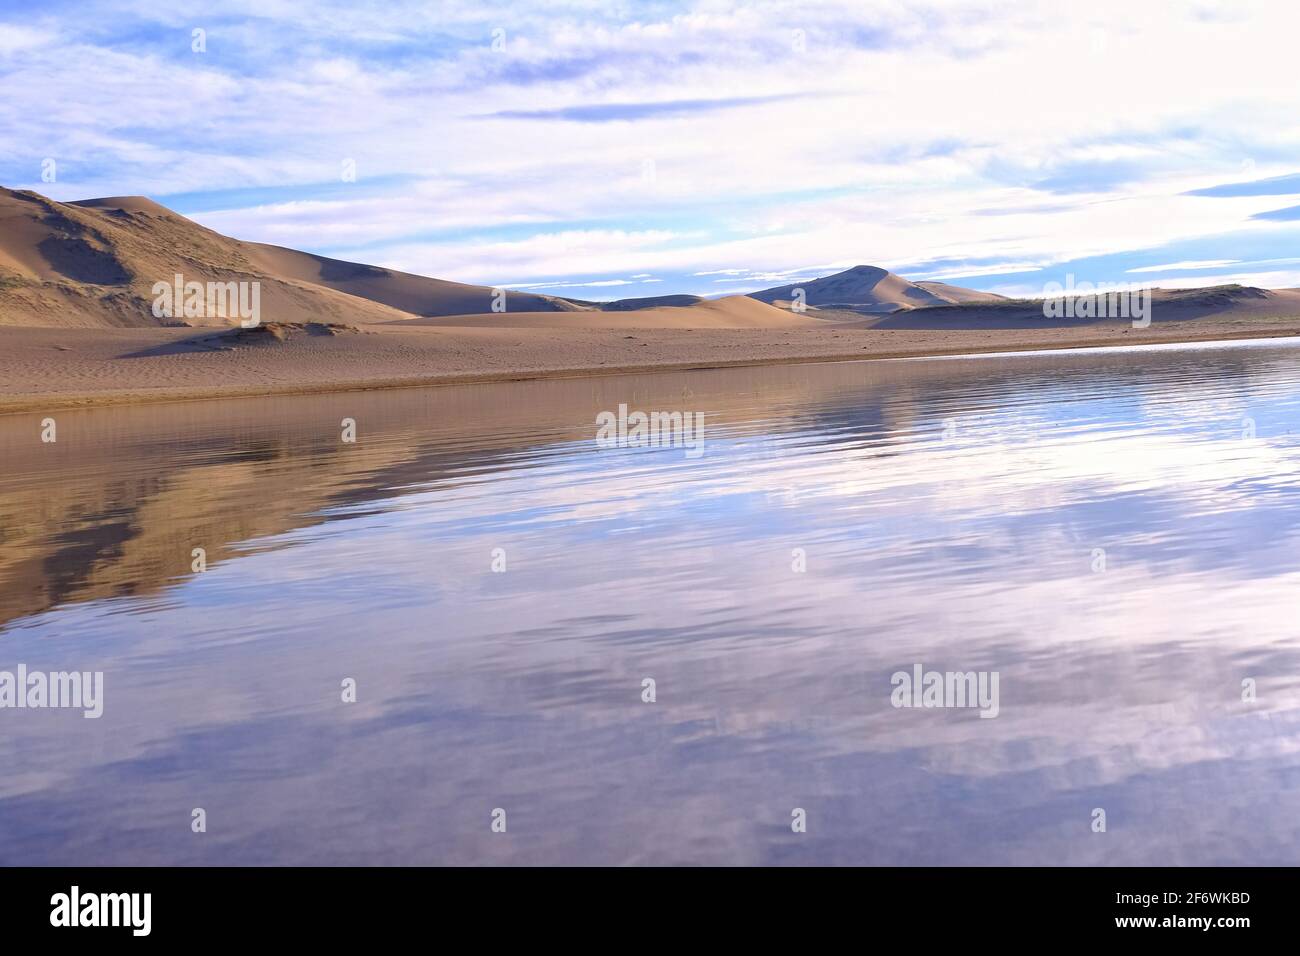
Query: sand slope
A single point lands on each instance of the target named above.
(649, 302)
(94, 264)
(418, 295)
(1231, 302)
(731, 312)
(957, 295)
(871, 289)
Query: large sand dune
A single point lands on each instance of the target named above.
(94, 264)
(872, 290)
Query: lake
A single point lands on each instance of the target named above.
(478, 634)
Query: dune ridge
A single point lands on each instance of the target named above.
(872, 290)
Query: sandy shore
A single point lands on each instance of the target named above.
(43, 369)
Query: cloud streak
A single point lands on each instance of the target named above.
(616, 112)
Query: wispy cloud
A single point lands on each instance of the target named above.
(616, 112)
(1177, 266)
(1288, 214)
(1273, 186)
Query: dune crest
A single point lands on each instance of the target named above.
(872, 290)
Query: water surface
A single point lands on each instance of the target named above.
(1115, 533)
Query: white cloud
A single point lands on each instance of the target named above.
(1199, 264)
(918, 132)
(14, 38)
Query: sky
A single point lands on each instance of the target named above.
(599, 149)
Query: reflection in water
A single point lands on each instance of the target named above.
(1100, 528)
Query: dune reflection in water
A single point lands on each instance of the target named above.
(951, 513)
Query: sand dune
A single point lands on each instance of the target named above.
(76, 320)
(133, 205)
(94, 264)
(1232, 302)
(731, 312)
(956, 295)
(872, 290)
(648, 302)
(417, 295)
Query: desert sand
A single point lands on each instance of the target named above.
(46, 369)
(77, 326)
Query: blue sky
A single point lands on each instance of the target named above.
(602, 149)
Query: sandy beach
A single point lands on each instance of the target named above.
(50, 368)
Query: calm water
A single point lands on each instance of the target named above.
(1100, 529)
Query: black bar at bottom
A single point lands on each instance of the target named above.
(335, 906)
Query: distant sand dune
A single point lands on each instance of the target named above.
(872, 290)
(732, 312)
(1167, 305)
